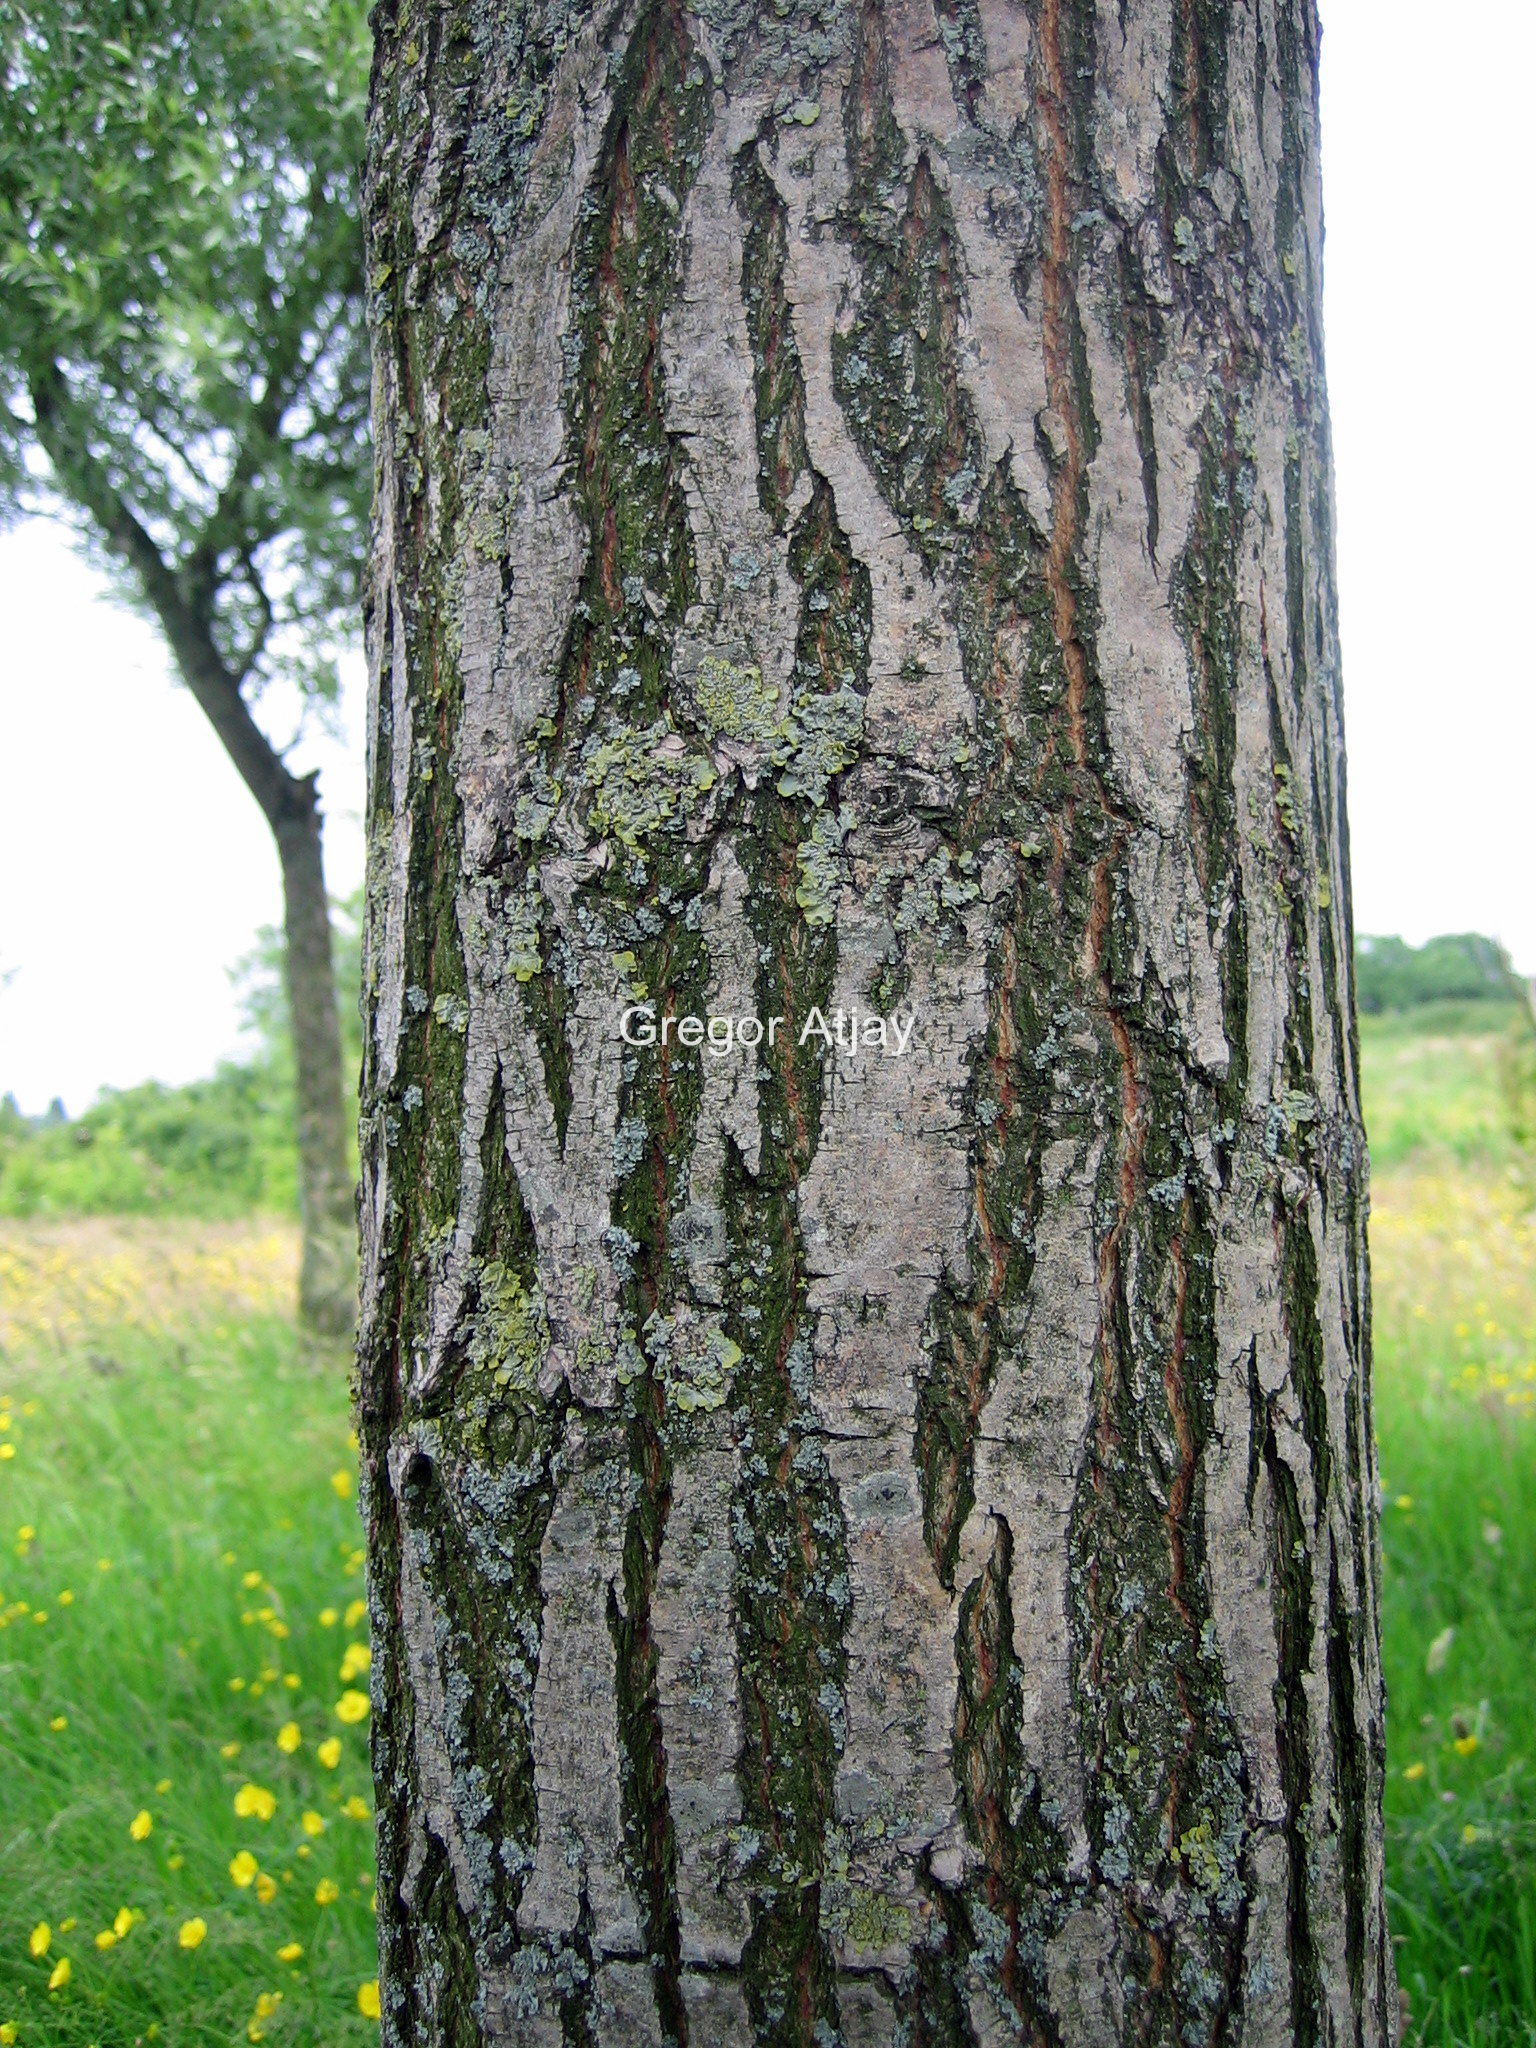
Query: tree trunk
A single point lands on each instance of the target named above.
(871, 1535)
(185, 601)
(328, 1267)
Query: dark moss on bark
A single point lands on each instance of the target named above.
(1292, 1592)
(1025, 1885)
(895, 365)
(1085, 1053)
(778, 383)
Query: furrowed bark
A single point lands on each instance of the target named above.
(863, 1548)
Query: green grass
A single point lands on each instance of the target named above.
(181, 1492)
(1454, 1268)
(1434, 1085)
(191, 1454)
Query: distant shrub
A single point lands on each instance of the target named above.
(1517, 1075)
(218, 1147)
(1457, 967)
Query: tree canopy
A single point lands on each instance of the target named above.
(182, 357)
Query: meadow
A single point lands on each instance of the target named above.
(185, 1839)
(185, 1806)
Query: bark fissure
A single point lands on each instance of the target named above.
(827, 574)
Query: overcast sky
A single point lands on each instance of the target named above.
(135, 870)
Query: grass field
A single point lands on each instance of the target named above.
(184, 1814)
(185, 1818)
(1453, 1244)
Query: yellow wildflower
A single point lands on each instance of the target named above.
(39, 1939)
(227, 1557)
(356, 1609)
(355, 1662)
(341, 1485)
(68, 1926)
(352, 1707)
(357, 1809)
(122, 1920)
(237, 1685)
(329, 1752)
(229, 1751)
(290, 1952)
(1414, 1771)
(327, 1617)
(106, 1938)
(242, 1867)
(191, 1933)
(255, 1800)
(266, 1888)
(141, 1824)
(174, 1862)
(59, 1723)
(311, 1822)
(60, 1974)
(103, 1564)
(288, 1737)
(1465, 1744)
(162, 1786)
(7, 1449)
(1470, 1834)
(291, 1680)
(368, 1999)
(66, 1598)
(250, 1581)
(267, 2003)
(327, 1892)
(7, 2033)
(25, 1533)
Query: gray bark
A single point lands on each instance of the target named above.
(862, 1548)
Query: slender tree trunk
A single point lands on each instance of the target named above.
(869, 1541)
(184, 602)
(328, 1269)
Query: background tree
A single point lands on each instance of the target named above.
(863, 1548)
(185, 378)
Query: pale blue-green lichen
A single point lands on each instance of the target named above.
(509, 1332)
(537, 803)
(694, 1360)
(642, 783)
(521, 929)
(820, 863)
(822, 740)
(736, 703)
(940, 884)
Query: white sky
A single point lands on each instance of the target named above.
(135, 870)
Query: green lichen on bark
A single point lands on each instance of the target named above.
(1017, 863)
